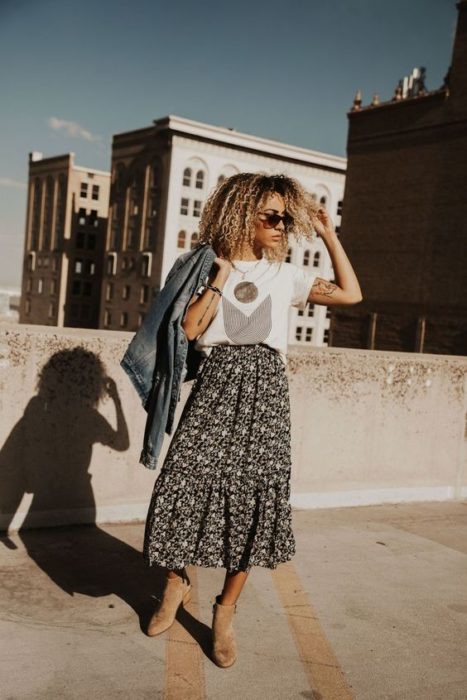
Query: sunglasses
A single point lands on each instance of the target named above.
(271, 220)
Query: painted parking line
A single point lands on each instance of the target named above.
(321, 666)
(184, 668)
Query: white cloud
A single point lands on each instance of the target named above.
(8, 182)
(72, 129)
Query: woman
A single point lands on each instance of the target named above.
(222, 496)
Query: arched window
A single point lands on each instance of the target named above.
(36, 214)
(306, 258)
(187, 177)
(181, 239)
(322, 199)
(119, 178)
(316, 258)
(200, 179)
(194, 240)
(48, 210)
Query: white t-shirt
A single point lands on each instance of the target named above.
(266, 318)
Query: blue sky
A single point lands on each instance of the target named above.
(74, 73)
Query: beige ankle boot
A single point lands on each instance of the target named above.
(177, 591)
(224, 648)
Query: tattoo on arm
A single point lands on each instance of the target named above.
(324, 287)
(207, 307)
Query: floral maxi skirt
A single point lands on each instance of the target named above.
(222, 496)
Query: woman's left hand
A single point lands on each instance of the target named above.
(323, 224)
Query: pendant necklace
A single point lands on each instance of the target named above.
(246, 291)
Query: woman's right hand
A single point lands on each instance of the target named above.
(223, 265)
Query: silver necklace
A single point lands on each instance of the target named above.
(246, 291)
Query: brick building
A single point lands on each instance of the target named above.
(404, 221)
(66, 223)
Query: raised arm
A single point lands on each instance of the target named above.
(347, 289)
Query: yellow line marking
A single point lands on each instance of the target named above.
(321, 666)
(184, 668)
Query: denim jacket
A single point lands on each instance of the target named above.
(160, 357)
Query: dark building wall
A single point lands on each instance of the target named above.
(404, 219)
(134, 243)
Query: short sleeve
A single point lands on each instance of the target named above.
(301, 287)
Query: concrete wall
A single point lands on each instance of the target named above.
(367, 427)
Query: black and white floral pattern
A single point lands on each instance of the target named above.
(222, 496)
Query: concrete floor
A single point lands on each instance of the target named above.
(372, 607)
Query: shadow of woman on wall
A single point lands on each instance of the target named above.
(47, 454)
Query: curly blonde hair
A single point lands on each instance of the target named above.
(227, 221)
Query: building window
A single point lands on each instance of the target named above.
(197, 207)
(187, 177)
(181, 240)
(51, 310)
(144, 294)
(339, 207)
(326, 336)
(300, 312)
(29, 284)
(322, 199)
(39, 262)
(76, 288)
(123, 319)
(126, 291)
(31, 262)
(109, 291)
(316, 259)
(87, 289)
(184, 206)
(328, 312)
(90, 267)
(308, 335)
(95, 192)
(91, 241)
(288, 257)
(107, 318)
(311, 309)
(306, 258)
(111, 267)
(80, 239)
(46, 261)
(146, 264)
(194, 240)
(40, 285)
(54, 264)
(78, 266)
(200, 180)
(298, 333)
(27, 306)
(53, 286)
(83, 190)
(93, 218)
(141, 317)
(82, 217)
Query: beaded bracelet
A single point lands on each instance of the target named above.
(214, 289)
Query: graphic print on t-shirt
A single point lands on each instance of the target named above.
(243, 329)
